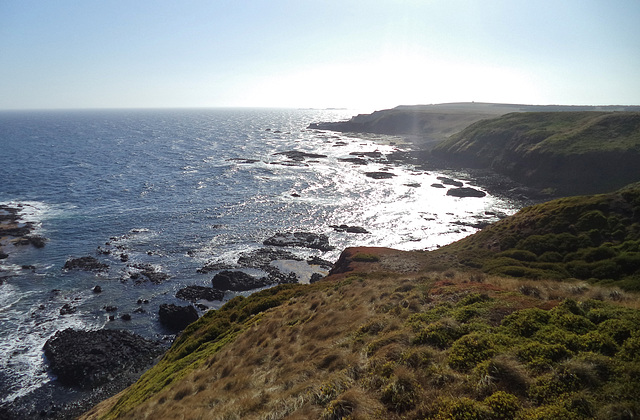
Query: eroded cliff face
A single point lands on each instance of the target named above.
(569, 152)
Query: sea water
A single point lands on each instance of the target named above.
(177, 189)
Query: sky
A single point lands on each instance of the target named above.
(317, 53)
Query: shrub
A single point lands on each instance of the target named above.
(570, 322)
(463, 409)
(401, 393)
(502, 405)
(618, 329)
(542, 355)
(552, 334)
(631, 349)
(550, 412)
(606, 269)
(599, 342)
(629, 262)
(519, 254)
(440, 334)
(470, 350)
(503, 372)
(550, 256)
(549, 387)
(525, 322)
(601, 253)
(592, 220)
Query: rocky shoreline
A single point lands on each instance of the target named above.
(279, 265)
(15, 232)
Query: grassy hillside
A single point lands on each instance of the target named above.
(449, 334)
(572, 152)
(594, 238)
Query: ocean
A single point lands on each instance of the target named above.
(176, 190)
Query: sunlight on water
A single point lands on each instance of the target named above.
(175, 190)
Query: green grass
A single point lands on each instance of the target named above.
(594, 238)
(571, 152)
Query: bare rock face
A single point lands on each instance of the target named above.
(177, 317)
(87, 359)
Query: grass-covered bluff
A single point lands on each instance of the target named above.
(427, 335)
(566, 152)
(594, 238)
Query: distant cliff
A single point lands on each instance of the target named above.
(429, 124)
(569, 152)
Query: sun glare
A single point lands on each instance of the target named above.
(393, 80)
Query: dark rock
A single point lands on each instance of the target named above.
(85, 263)
(242, 160)
(315, 277)
(177, 317)
(149, 273)
(37, 241)
(300, 239)
(262, 257)
(319, 261)
(67, 309)
(126, 317)
(449, 181)
(124, 257)
(110, 308)
(139, 310)
(28, 267)
(379, 175)
(438, 186)
(215, 266)
(298, 156)
(374, 155)
(3, 255)
(295, 195)
(278, 277)
(237, 281)
(466, 192)
(87, 359)
(355, 161)
(97, 289)
(349, 229)
(413, 185)
(195, 293)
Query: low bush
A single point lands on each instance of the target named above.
(503, 405)
(470, 350)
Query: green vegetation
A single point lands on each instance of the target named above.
(592, 238)
(200, 342)
(571, 152)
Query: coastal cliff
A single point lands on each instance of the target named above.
(426, 125)
(568, 152)
(397, 334)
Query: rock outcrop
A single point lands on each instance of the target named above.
(87, 359)
(238, 281)
(176, 317)
(85, 263)
(300, 239)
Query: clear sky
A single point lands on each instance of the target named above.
(307, 53)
